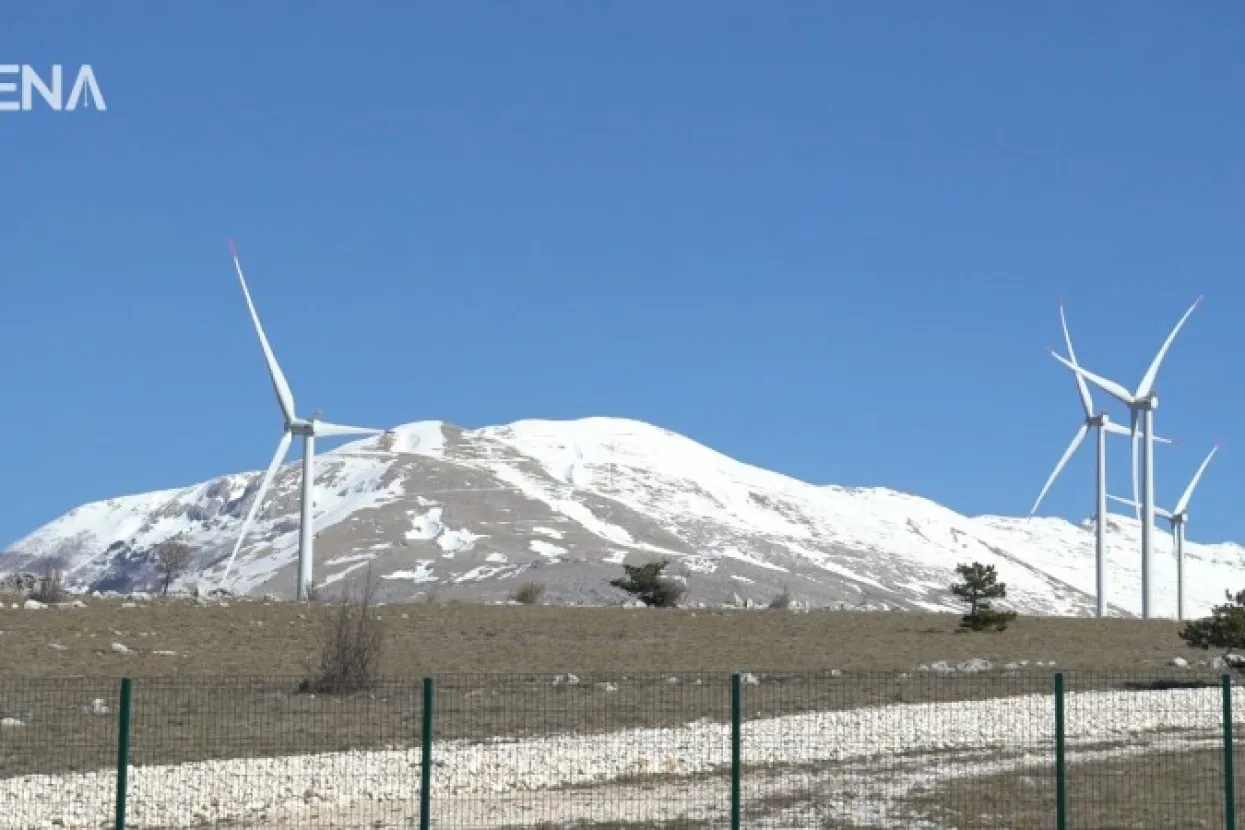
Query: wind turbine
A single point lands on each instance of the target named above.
(1177, 519)
(1102, 422)
(1141, 404)
(309, 430)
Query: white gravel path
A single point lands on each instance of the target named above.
(508, 783)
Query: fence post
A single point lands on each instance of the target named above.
(1229, 762)
(425, 780)
(736, 743)
(1061, 768)
(123, 749)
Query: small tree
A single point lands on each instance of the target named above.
(980, 585)
(50, 586)
(646, 583)
(351, 645)
(781, 601)
(172, 559)
(1224, 628)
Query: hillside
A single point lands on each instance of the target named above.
(436, 509)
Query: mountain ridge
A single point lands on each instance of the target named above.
(438, 509)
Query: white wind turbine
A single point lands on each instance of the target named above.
(1177, 518)
(1141, 403)
(1102, 422)
(309, 430)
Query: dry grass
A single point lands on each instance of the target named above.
(230, 688)
(1151, 791)
(265, 639)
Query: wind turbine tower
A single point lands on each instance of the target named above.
(309, 430)
(1141, 404)
(1178, 518)
(1101, 422)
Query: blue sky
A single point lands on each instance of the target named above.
(825, 238)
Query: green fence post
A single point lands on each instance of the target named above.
(1061, 769)
(736, 744)
(425, 780)
(123, 749)
(1229, 762)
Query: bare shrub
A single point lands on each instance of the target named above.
(172, 560)
(781, 602)
(529, 593)
(351, 645)
(50, 586)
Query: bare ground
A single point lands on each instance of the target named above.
(229, 689)
(251, 638)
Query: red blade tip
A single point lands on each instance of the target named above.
(233, 248)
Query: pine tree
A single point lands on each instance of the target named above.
(645, 583)
(1224, 628)
(980, 585)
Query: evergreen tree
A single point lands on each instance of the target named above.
(1224, 628)
(980, 584)
(645, 583)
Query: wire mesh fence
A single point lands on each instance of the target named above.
(935, 749)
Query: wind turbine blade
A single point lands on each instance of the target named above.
(1081, 432)
(324, 428)
(1188, 493)
(1116, 429)
(1109, 386)
(1147, 382)
(283, 446)
(1158, 511)
(285, 398)
(1087, 403)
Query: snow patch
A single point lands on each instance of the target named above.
(545, 548)
(422, 573)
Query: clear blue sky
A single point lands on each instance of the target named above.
(825, 238)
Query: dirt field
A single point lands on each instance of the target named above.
(215, 682)
(259, 639)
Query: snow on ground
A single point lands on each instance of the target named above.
(715, 506)
(426, 526)
(457, 541)
(422, 573)
(545, 548)
(499, 783)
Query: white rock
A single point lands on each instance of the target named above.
(270, 791)
(120, 649)
(974, 666)
(1179, 662)
(97, 707)
(12, 723)
(32, 605)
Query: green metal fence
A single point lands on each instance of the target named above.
(952, 749)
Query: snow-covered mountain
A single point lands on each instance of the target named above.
(474, 513)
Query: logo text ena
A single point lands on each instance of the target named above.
(23, 86)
